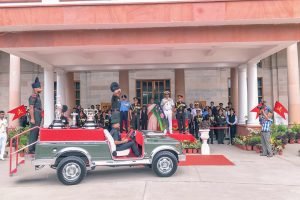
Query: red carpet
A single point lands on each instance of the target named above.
(182, 137)
(205, 160)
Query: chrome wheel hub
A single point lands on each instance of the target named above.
(165, 165)
(71, 171)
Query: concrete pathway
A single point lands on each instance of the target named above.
(252, 178)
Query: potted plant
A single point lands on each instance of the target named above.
(185, 146)
(254, 141)
(291, 136)
(296, 130)
(297, 137)
(258, 148)
(279, 150)
(248, 143)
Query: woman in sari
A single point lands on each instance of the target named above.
(152, 120)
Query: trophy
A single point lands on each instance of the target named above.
(90, 122)
(57, 122)
(73, 125)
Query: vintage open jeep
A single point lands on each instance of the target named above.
(72, 152)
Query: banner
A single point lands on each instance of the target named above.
(18, 112)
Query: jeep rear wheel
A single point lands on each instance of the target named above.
(164, 164)
(71, 170)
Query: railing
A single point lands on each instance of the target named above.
(17, 150)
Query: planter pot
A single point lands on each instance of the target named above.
(292, 141)
(195, 150)
(248, 147)
(298, 141)
(256, 149)
(204, 135)
(244, 147)
(184, 151)
(280, 153)
(190, 151)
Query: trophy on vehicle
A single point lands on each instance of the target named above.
(73, 125)
(57, 122)
(90, 122)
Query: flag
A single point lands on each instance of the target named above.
(18, 112)
(280, 109)
(160, 116)
(257, 110)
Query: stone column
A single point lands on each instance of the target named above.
(179, 83)
(14, 87)
(61, 86)
(293, 84)
(48, 95)
(124, 82)
(252, 92)
(70, 92)
(234, 88)
(83, 90)
(242, 94)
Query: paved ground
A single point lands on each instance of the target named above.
(252, 177)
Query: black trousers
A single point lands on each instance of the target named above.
(232, 132)
(211, 136)
(33, 136)
(124, 117)
(196, 132)
(135, 122)
(181, 122)
(221, 135)
(144, 123)
(130, 144)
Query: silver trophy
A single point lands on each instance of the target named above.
(90, 122)
(73, 125)
(57, 122)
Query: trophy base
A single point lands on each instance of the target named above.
(90, 125)
(57, 124)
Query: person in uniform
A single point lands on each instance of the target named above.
(232, 121)
(35, 112)
(180, 113)
(221, 122)
(211, 118)
(104, 121)
(63, 117)
(135, 114)
(81, 118)
(197, 121)
(124, 108)
(121, 144)
(115, 99)
(191, 119)
(168, 104)
(144, 118)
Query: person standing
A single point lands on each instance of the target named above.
(180, 113)
(211, 118)
(266, 122)
(221, 122)
(213, 108)
(144, 118)
(168, 104)
(135, 114)
(191, 119)
(197, 121)
(3, 134)
(125, 106)
(152, 120)
(115, 99)
(35, 112)
(232, 121)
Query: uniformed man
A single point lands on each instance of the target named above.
(197, 121)
(115, 99)
(168, 104)
(64, 118)
(121, 144)
(135, 114)
(180, 113)
(35, 111)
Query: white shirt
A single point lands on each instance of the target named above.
(3, 125)
(167, 104)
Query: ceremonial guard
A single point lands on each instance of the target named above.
(191, 119)
(135, 114)
(180, 113)
(167, 104)
(197, 121)
(115, 99)
(221, 122)
(35, 112)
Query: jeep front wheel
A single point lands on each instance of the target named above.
(164, 164)
(71, 170)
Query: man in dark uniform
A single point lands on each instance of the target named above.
(35, 111)
(121, 144)
(115, 99)
(197, 121)
(180, 113)
(135, 113)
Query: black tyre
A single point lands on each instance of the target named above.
(164, 164)
(71, 170)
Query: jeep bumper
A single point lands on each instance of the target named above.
(181, 157)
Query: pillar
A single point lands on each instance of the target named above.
(48, 95)
(124, 82)
(242, 94)
(252, 92)
(293, 84)
(234, 88)
(14, 87)
(61, 86)
(83, 90)
(179, 82)
(70, 91)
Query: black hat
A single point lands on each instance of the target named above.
(64, 108)
(115, 118)
(36, 83)
(114, 86)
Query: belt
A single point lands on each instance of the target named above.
(124, 110)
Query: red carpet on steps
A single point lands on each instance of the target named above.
(205, 160)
